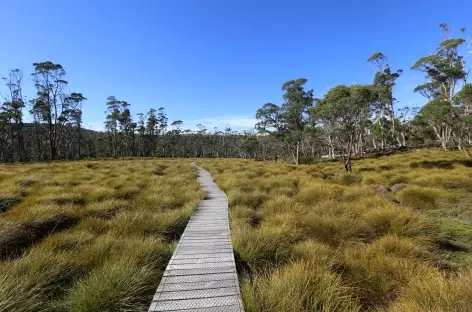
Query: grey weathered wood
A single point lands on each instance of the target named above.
(201, 275)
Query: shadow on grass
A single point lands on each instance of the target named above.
(440, 164)
(448, 245)
(7, 203)
(14, 245)
(242, 267)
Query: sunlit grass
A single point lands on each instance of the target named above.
(314, 238)
(90, 235)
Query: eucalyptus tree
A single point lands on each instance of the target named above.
(288, 121)
(151, 131)
(50, 105)
(75, 101)
(141, 130)
(249, 146)
(162, 122)
(200, 147)
(177, 125)
(120, 126)
(11, 112)
(384, 82)
(405, 122)
(111, 123)
(5, 137)
(344, 112)
(126, 127)
(174, 136)
(463, 121)
(444, 72)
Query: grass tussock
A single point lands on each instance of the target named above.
(90, 236)
(419, 197)
(379, 239)
(436, 292)
(299, 286)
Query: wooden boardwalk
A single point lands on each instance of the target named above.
(201, 275)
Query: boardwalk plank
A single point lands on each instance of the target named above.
(201, 275)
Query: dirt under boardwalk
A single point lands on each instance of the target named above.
(201, 275)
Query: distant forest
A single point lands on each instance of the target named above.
(348, 121)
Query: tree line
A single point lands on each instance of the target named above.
(349, 121)
(56, 130)
(346, 122)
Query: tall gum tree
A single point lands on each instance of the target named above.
(384, 82)
(444, 72)
(343, 112)
(50, 105)
(463, 118)
(75, 101)
(111, 123)
(12, 113)
(288, 121)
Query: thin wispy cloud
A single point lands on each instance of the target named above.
(97, 126)
(221, 122)
(239, 123)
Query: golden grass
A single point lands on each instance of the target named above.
(313, 238)
(90, 235)
(96, 235)
(436, 292)
(298, 286)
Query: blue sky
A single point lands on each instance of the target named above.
(217, 61)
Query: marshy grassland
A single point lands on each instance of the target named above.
(90, 235)
(395, 235)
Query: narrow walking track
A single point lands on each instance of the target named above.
(201, 275)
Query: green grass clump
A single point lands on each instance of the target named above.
(377, 276)
(419, 198)
(91, 236)
(252, 199)
(347, 179)
(394, 220)
(331, 228)
(436, 292)
(299, 286)
(314, 238)
(318, 191)
(121, 286)
(264, 247)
